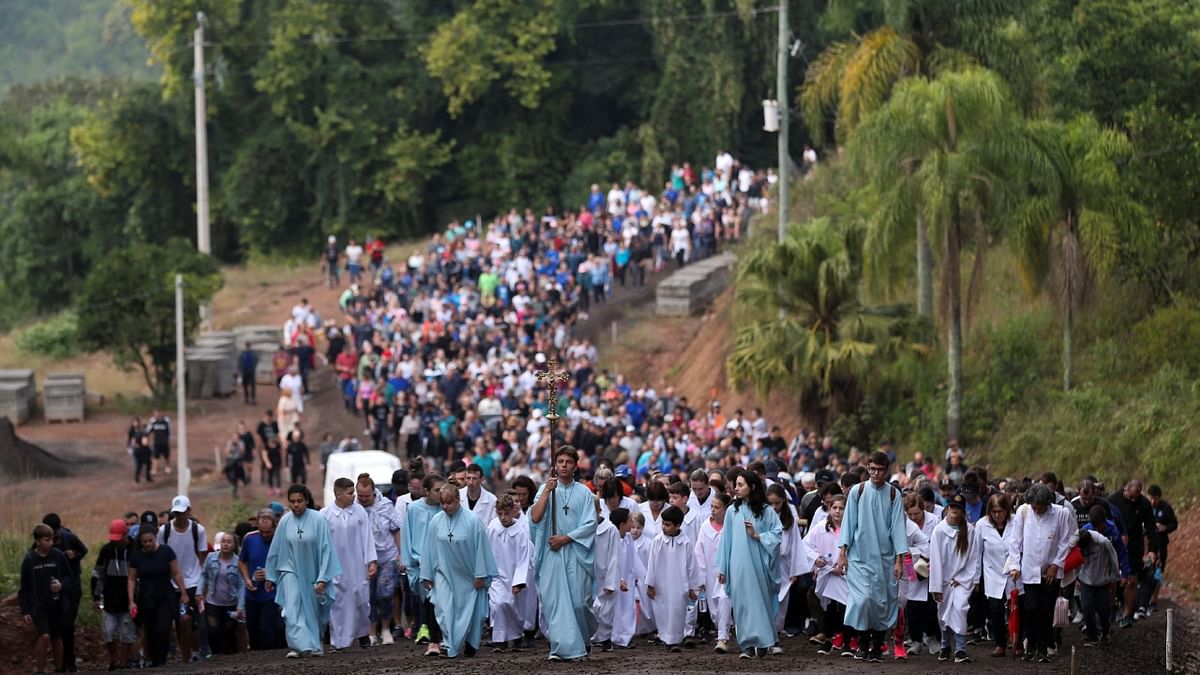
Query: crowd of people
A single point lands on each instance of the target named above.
(622, 513)
(735, 557)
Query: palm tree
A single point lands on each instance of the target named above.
(939, 148)
(1068, 231)
(809, 328)
(920, 38)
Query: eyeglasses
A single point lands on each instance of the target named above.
(876, 469)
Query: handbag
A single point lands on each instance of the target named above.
(1062, 612)
(1074, 560)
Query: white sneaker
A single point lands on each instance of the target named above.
(387, 637)
(1078, 618)
(932, 645)
(375, 641)
(1139, 615)
(776, 650)
(293, 654)
(913, 648)
(722, 646)
(1052, 651)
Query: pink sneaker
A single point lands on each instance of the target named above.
(900, 652)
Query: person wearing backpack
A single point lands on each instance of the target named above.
(186, 537)
(110, 579)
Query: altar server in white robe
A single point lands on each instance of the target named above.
(642, 539)
(625, 616)
(607, 577)
(513, 552)
(706, 558)
(671, 579)
(953, 572)
(350, 533)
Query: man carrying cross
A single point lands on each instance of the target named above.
(564, 557)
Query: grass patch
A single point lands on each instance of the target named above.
(13, 548)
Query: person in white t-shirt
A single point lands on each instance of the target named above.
(187, 539)
(354, 254)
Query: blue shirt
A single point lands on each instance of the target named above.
(254, 554)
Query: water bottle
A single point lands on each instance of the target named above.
(182, 609)
(54, 595)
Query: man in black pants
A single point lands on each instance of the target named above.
(247, 367)
(159, 428)
(1043, 538)
(1141, 540)
(66, 541)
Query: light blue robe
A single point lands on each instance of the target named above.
(874, 530)
(412, 541)
(564, 577)
(301, 554)
(751, 570)
(456, 553)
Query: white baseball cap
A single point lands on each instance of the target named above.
(180, 504)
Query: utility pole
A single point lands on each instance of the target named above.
(781, 94)
(183, 473)
(203, 242)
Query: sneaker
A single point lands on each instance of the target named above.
(606, 646)
(316, 654)
(1028, 657)
(674, 649)
(1078, 618)
(423, 635)
(1089, 642)
(468, 651)
(408, 633)
(1125, 622)
(884, 650)
(432, 649)
(1043, 658)
(375, 641)
(838, 641)
(932, 645)
(825, 649)
(874, 656)
(914, 647)
(861, 654)
(900, 653)
(722, 647)
(961, 657)
(1139, 614)
(818, 639)
(999, 652)
(1052, 651)
(499, 647)
(944, 654)
(554, 657)
(854, 644)
(293, 654)
(387, 638)
(776, 650)
(745, 654)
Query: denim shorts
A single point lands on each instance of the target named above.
(118, 627)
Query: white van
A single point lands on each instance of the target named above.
(379, 464)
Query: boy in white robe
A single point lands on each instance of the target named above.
(671, 579)
(706, 559)
(513, 551)
(353, 544)
(607, 575)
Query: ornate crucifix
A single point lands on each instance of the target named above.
(552, 378)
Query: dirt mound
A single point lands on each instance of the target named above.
(20, 460)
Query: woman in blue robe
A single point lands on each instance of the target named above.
(456, 570)
(301, 565)
(748, 565)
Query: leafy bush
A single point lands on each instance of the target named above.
(1170, 335)
(57, 337)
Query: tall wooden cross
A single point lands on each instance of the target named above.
(552, 378)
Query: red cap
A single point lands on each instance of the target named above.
(117, 530)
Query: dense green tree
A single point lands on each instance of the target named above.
(127, 306)
(1072, 226)
(941, 148)
(807, 329)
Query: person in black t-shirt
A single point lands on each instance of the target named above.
(248, 453)
(153, 602)
(110, 594)
(297, 456)
(271, 455)
(379, 419)
(329, 262)
(159, 429)
(45, 582)
(74, 550)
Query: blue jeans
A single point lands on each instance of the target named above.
(959, 640)
(383, 587)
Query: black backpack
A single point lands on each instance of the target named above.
(164, 535)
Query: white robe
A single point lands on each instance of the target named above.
(624, 623)
(485, 506)
(993, 551)
(672, 572)
(918, 591)
(646, 613)
(350, 534)
(527, 601)
(653, 525)
(607, 575)
(952, 574)
(714, 591)
(822, 543)
(513, 552)
(703, 511)
(918, 546)
(793, 561)
(626, 503)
